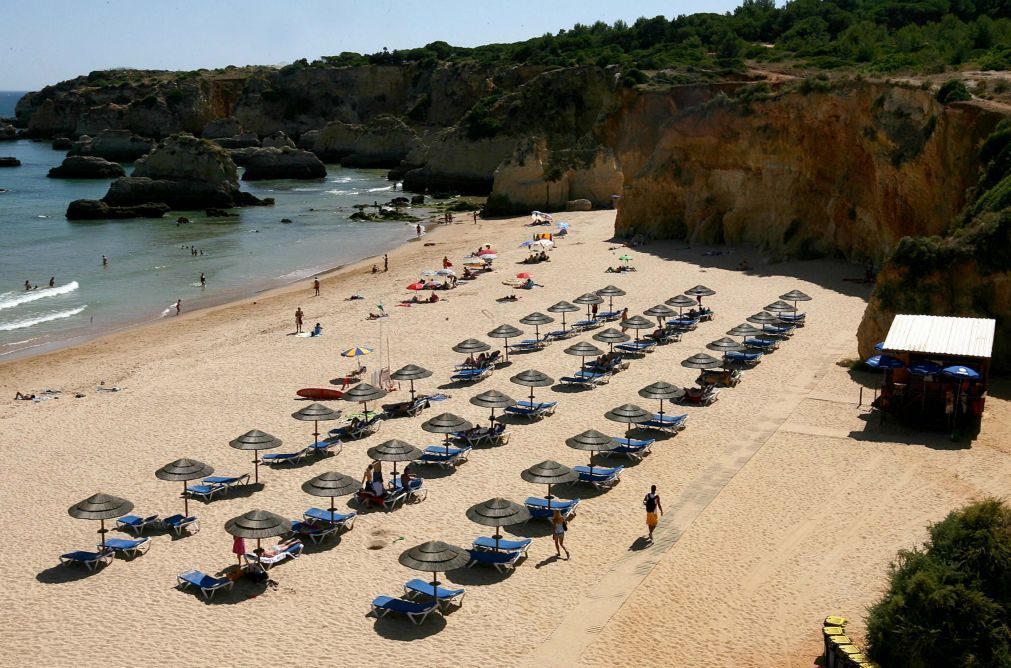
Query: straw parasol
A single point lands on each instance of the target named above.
(471, 346)
(780, 307)
(588, 299)
(536, 319)
(744, 329)
(316, 413)
(763, 318)
(661, 390)
(363, 393)
(611, 336)
(636, 322)
(258, 524)
(357, 352)
(611, 292)
(593, 441)
(100, 507)
(681, 302)
(549, 473)
(701, 361)
(563, 308)
(492, 399)
(434, 557)
(628, 414)
(331, 484)
(795, 296)
(394, 451)
(498, 513)
(660, 311)
(725, 345)
(532, 378)
(505, 332)
(411, 372)
(446, 423)
(184, 470)
(255, 440)
(700, 291)
(582, 350)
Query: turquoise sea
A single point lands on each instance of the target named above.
(150, 263)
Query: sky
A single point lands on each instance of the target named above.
(46, 41)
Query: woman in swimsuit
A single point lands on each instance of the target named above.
(558, 529)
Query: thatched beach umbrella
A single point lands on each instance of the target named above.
(611, 292)
(795, 296)
(780, 307)
(725, 345)
(471, 346)
(549, 473)
(588, 299)
(331, 484)
(255, 440)
(505, 332)
(592, 441)
(661, 390)
(636, 322)
(363, 393)
(492, 399)
(498, 513)
(582, 350)
(411, 372)
(701, 361)
(660, 311)
(394, 451)
(763, 318)
(100, 507)
(184, 470)
(434, 557)
(628, 414)
(447, 424)
(563, 308)
(316, 413)
(611, 336)
(532, 378)
(536, 319)
(258, 524)
(744, 329)
(700, 291)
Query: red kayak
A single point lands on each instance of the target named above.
(319, 393)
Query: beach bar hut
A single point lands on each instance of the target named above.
(960, 348)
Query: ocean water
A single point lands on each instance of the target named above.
(150, 263)
(8, 100)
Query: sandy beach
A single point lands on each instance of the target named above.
(784, 502)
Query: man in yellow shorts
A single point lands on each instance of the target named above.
(652, 503)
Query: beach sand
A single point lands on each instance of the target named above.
(784, 502)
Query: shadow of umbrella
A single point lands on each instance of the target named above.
(316, 413)
(255, 440)
(498, 513)
(100, 507)
(184, 470)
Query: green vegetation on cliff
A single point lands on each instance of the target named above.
(949, 603)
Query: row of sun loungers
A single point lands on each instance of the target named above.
(208, 487)
(494, 435)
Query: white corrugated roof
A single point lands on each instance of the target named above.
(969, 337)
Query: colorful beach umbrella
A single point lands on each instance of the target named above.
(416, 286)
(356, 352)
(960, 372)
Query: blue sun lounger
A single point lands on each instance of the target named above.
(127, 547)
(227, 480)
(416, 612)
(317, 532)
(560, 334)
(585, 325)
(533, 411)
(471, 375)
(793, 318)
(668, 423)
(640, 347)
(608, 316)
(90, 560)
(742, 357)
(783, 331)
(179, 523)
(136, 524)
(440, 456)
(207, 584)
(332, 446)
(418, 490)
(539, 509)
(360, 430)
(529, 345)
(265, 561)
(502, 561)
(419, 588)
(205, 492)
(487, 543)
(344, 521)
(285, 457)
(763, 343)
(599, 476)
(631, 447)
(586, 379)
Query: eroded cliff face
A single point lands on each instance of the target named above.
(842, 173)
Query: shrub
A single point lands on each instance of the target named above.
(949, 603)
(953, 90)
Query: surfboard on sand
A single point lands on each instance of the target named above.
(319, 393)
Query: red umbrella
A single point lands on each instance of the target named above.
(416, 286)
(524, 274)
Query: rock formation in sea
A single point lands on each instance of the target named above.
(8, 131)
(281, 163)
(114, 145)
(86, 167)
(277, 140)
(9, 161)
(384, 142)
(93, 209)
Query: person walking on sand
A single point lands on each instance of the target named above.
(298, 320)
(179, 306)
(386, 262)
(558, 528)
(475, 217)
(315, 285)
(417, 228)
(652, 503)
(203, 280)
